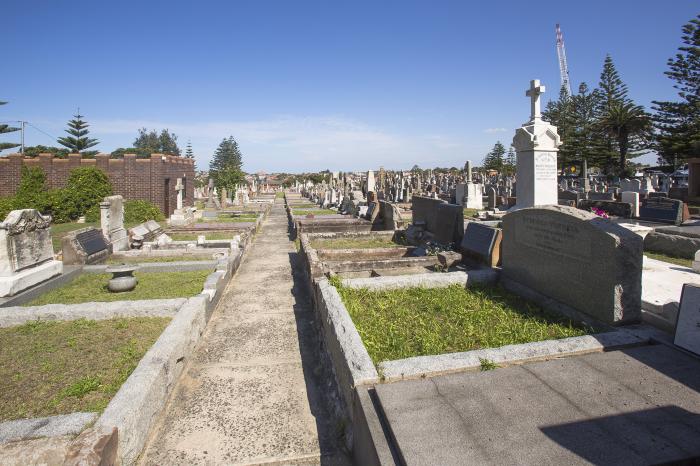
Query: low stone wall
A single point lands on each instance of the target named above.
(352, 365)
(135, 408)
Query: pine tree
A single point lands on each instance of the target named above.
(494, 159)
(613, 93)
(678, 123)
(510, 161)
(7, 129)
(225, 168)
(78, 140)
(583, 141)
(560, 114)
(188, 151)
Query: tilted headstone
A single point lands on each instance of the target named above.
(576, 258)
(84, 246)
(662, 209)
(481, 244)
(26, 251)
(687, 333)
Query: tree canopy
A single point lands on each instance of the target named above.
(4, 128)
(678, 123)
(225, 168)
(77, 140)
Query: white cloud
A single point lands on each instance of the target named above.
(495, 130)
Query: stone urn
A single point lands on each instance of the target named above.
(122, 278)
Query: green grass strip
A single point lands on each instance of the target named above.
(89, 287)
(403, 323)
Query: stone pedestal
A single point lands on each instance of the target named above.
(26, 252)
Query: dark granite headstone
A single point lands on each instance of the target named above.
(481, 243)
(85, 246)
(662, 209)
(92, 241)
(449, 224)
(616, 209)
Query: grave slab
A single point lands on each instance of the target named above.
(602, 408)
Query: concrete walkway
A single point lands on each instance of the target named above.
(251, 393)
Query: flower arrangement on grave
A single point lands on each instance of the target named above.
(600, 212)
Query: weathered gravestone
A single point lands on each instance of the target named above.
(481, 244)
(576, 258)
(26, 251)
(662, 209)
(449, 224)
(687, 334)
(632, 198)
(84, 246)
(425, 210)
(391, 215)
(112, 222)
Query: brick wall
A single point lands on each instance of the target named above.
(133, 178)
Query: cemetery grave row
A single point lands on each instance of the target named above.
(164, 314)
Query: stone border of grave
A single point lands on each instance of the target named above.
(353, 367)
(120, 433)
(312, 263)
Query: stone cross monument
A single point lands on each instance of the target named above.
(179, 187)
(536, 144)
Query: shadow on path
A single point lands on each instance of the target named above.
(321, 387)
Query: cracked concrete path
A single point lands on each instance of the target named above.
(252, 392)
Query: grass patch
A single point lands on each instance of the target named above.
(146, 260)
(279, 195)
(355, 243)
(671, 259)
(215, 235)
(49, 368)
(90, 287)
(469, 213)
(303, 212)
(408, 322)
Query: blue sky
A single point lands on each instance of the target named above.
(305, 86)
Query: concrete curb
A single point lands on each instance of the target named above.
(351, 362)
(18, 315)
(431, 366)
(139, 401)
(52, 426)
(427, 280)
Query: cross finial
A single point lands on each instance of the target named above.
(534, 94)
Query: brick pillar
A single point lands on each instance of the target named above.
(74, 161)
(10, 174)
(158, 181)
(46, 162)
